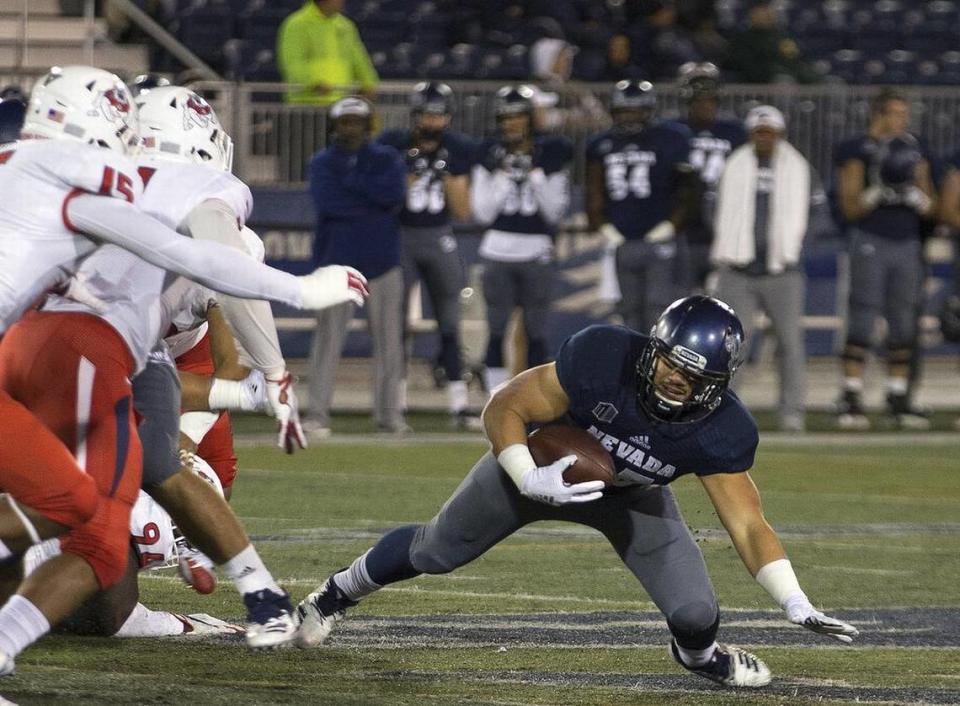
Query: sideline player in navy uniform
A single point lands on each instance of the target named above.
(520, 189)
(438, 189)
(714, 138)
(885, 190)
(661, 406)
(640, 190)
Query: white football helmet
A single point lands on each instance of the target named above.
(86, 104)
(178, 125)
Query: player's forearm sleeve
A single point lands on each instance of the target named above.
(251, 320)
(210, 264)
(488, 192)
(552, 194)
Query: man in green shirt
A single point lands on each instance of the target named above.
(320, 48)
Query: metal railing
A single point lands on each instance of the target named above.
(276, 139)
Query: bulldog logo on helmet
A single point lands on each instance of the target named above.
(114, 104)
(197, 111)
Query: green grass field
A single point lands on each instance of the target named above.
(550, 616)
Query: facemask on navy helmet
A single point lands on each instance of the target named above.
(513, 100)
(698, 78)
(432, 98)
(703, 339)
(632, 105)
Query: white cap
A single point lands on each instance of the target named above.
(765, 116)
(350, 106)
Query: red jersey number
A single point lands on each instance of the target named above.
(115, 182)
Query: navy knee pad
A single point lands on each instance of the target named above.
(694, 625)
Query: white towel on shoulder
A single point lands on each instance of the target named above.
(733, 242)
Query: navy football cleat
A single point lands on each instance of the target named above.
(320, 612)
(729, 666)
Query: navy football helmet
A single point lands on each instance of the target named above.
(703, 338)
(144, 83)
(898, 161)
(632, 105)
(513, 100)
(698, 78)
(431, 97)
(13, 109)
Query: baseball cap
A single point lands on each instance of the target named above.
(765, 116)
(350, 106)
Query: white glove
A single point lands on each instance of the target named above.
(664, 230)
(284, 406)
(332, 285)
(800, 611)
(247, 395)
(874, 196)
(546, 485)
(611, 235)
(914, 198)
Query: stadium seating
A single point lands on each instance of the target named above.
(875, 41)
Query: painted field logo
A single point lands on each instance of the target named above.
(605, 412)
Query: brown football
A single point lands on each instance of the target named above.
(554, 441)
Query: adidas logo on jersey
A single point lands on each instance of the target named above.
(622, 451)
(641, 440)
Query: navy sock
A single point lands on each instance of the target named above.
(389, 560)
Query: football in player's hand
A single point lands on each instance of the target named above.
(554, 441)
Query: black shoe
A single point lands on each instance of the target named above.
(850, 412)
(904, 415)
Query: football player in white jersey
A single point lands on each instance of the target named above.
(56, 190)
(54, 213)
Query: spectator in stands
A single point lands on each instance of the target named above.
(438, 191)
(520, 190)
(357, 188)
(713, 140)
(320, 49)
(620, 63)
(764, 53)
(662, 45)
(551, 60)
(639, 191)
(763, 202)
(885, 191)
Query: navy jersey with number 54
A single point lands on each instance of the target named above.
(640, 173)
(597, 368)
(426, 204)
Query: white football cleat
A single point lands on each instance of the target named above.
(320, 612)
(201, 624)
(729, 666)
(270, 621)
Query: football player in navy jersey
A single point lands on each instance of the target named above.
(438, 189)
(661, 406)
(520, 190)
(885, 190)
(714, 138)
(639, 192)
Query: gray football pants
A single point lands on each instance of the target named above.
(156, 398)
(781, 297)
(431, 255)
(643, 524)
(646, 273)
(385, 321)
(886, 279)
(528, 285)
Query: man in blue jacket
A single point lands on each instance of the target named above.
(358, 188)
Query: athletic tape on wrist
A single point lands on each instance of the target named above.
(779, 580)
(516, 461)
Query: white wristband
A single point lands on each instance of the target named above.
(224, 394)
(778, 579)
(516, 461)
